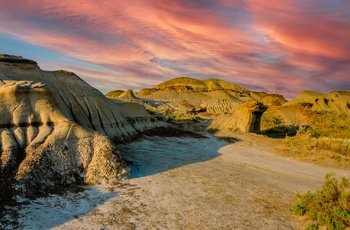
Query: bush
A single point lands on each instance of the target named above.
(329, 205)
(281, 130)
(175, 116)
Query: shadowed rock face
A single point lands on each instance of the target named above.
(55, 129)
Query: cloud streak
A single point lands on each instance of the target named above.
(278, 46)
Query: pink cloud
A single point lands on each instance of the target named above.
(277, 46)
(308, 33)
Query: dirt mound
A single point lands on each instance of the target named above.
(244, 118)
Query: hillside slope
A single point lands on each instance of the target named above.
(55, 129)
(224, 102)
(299, 111)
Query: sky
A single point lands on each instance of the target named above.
(283, 46)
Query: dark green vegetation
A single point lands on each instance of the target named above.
(329, 205)
(275, 127)
(175, 116)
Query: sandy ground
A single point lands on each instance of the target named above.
(184, 183)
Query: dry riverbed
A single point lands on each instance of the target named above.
(184, 183)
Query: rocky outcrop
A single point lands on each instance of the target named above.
(114, 94)
(187, 97)
(268, 99)
(55, 129)
(77, 100)
(337, 101)
(212, 95)
(299, 110)
(128, 95)
(244, 118)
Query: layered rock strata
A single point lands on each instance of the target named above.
(55, 129)
(231, 107)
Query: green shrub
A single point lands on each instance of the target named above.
(175, 116)
(281, 130)
(329, 205)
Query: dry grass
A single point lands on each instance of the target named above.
(325, 141)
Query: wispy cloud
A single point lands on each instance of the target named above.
(277, 46)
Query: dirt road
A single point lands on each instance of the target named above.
(191, 183)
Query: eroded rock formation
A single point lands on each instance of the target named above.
(55, 129)
(231, 107)
(244, 118)
(297, 111)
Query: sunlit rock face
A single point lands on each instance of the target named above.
(55, 129)
(299, 110)
(244, 118)
(229, 106)
(337, 101)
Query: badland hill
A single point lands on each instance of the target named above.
(55, 129)
(230, 107)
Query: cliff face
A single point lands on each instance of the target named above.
(55, 129)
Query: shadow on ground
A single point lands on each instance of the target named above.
(154, 154)
(146, 156)
(54, 210)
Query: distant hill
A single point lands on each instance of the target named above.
(219, 101)
(337, 101)
(184, 98)
(200, 85)
(298, 110)
(212, 95)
